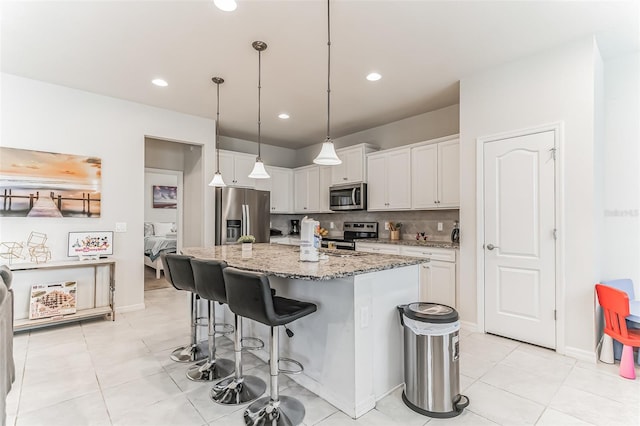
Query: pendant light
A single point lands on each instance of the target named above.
(328, 156)
(259, 171)
(217, 177)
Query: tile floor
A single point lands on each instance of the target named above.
(119, 373)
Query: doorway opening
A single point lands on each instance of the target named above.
(173, 203)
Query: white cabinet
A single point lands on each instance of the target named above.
(235, 168)
(354, 165)
(435, 177)
(389, 180)
(438, 283)
(438, 276)
(378, 248)
(281, 187)
(307, 189)
(325, 183)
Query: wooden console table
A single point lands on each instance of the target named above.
(94, 311)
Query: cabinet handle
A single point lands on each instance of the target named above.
(305, 208)
(344, 178)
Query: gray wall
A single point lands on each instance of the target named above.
(430, 125)
(271, 155)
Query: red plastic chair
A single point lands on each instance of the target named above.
(615, 304)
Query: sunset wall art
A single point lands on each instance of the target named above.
(48, 184)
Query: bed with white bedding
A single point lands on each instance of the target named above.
(159, 238)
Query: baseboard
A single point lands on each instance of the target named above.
(581, 354)
(469, 326)
(130, 308)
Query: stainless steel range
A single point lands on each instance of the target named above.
(352, 231)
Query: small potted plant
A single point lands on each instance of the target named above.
(247, 242)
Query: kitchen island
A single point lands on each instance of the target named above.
(351, 347)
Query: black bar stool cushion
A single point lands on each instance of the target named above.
(209, 280)
(167, 271)
(249, 295)
(181, 273)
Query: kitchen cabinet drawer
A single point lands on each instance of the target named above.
(433, 253)
(378, 248)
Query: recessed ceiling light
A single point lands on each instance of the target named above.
(374, 76)
(159, 82)
(284, 115)
(226, 5)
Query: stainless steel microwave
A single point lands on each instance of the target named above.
(352, 196)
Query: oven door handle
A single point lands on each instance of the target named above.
(353, 196)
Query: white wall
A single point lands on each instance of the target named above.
(42, 116)
(422, 127)
(621, 208)
(158, 215)
(557, 85)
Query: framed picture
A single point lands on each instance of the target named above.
(49, 184)
(165, 197)
(50, 300)
(94, 244)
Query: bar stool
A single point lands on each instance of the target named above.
(209, 284)
(178, 272)
(249, 295)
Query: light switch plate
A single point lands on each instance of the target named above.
(386, 226)
(121, 226)
(439, 226)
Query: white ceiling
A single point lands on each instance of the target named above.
(422, 49)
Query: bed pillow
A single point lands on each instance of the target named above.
(148, 229)
(162, 228)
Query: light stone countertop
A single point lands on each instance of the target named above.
(415, 243)
(284, 261)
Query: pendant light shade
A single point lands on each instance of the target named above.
(217, 177)
(328, 156)
(259, 172)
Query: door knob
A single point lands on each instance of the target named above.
(491, 247)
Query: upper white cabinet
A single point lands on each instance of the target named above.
(354, 164)
(389, 183)
(281, 187)
(325, 183)
(307, 189)
(435, 177)
(235, 168)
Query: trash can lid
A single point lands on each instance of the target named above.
(430, 312)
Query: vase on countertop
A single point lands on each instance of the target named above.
(247, 249)
(394, 235)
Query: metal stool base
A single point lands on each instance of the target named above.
(232, 391)
(190, 353)
(287, 411)
(205, 371)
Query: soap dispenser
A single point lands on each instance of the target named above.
(455, 233)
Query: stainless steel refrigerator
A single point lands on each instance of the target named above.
(242, 211)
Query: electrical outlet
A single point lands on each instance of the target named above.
(439, 226)
(364, 317)
(121, 226)
(386, 226)
(332, 225)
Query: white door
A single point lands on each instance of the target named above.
(313, 189)
(243, 167)
(519, 244)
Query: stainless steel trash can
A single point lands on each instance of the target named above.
(431, 360)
